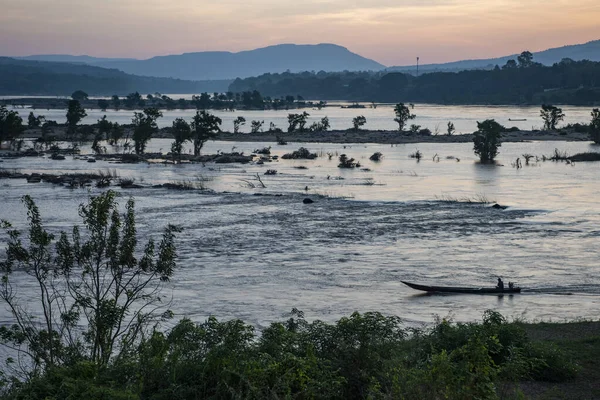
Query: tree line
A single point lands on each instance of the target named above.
(520, 81)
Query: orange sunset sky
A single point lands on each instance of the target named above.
(393, 32)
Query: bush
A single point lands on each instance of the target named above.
(300, 154)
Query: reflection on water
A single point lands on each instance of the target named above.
(256, 257)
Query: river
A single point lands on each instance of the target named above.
(433, 117)
(255, 257)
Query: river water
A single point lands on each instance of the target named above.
(433, 117)
(255, 253)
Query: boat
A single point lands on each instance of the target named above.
(517, 119)
(465, 290)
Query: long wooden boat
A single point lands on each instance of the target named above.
(466, 290)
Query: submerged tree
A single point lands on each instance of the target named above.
(205, 126)
(486, 140)
(144, 126)
(95, 296)
(551, 116)
(403, 114)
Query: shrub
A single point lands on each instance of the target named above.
(300, 154)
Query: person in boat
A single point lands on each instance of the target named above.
(500, 284)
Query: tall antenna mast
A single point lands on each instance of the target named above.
(417, 66)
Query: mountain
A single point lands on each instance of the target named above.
(212, 65)
(24, 77)
(577, 52)
(71, 59)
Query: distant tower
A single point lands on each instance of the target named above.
(417, 66)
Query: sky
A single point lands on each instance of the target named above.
(393, 32)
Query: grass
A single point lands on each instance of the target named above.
(581, 342)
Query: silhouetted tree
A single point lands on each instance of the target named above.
(104, 128)
(297, 121)
(239, 121)
(79, 95)
(11, 124)
(510, 64)
(403, 114)
(358, 121)
(75, 113)
(103, 104)
(182, 132)
(116, 102)
(34, 122)
(256, 126)
(144, 126)
(551, 116)
(486, 140)
(205, 126)
(525, 59)
(450, 129)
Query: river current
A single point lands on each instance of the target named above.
(255, 253)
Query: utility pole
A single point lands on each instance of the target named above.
(417, 67)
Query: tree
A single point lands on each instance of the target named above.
(239, 121)
(116, 134)
(104, 127)
(297, 121)
(144, 126)
(205, 126)
(116, 102)
(510, 64)
(182, 132)
(486, 140)
(94, 291)
(551, 116)
(79, 95)
(595, 126)
(34, 122)
(450, 129)
(134, 99)
(11, 124)
(75, 113)
(403, 114)
(358, 121)
(256, 126)
(321, 126)
(103, 104)
(525, 59)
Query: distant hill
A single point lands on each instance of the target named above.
(577, 52)
(213, 65)
(24, 77)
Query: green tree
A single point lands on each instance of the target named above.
(358, 121)
(182, 132)
(11, 124)
(256, 126)
(94, 291)
(205, 126)
(237, 123)
(551, 116)
(595, 126)
(144, 126)
(79, 95)
(403, 114)
(486, 140)
(104, 128)
(75, 113)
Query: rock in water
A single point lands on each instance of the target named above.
(499, 207)
(307, 201)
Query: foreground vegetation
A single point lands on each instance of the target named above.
(101, 338)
